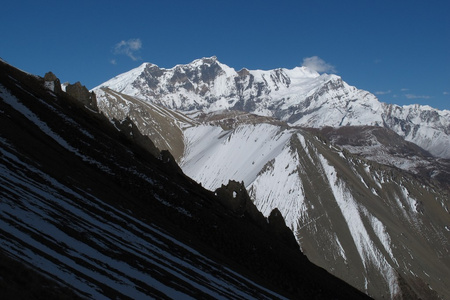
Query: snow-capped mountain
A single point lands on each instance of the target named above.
(90, 209)
(370, 206)
(299, 96)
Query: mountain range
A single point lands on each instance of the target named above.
(202, 182)
(92, 209)
(363, 185)
(300, 96)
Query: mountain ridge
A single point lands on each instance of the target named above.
(300, 96)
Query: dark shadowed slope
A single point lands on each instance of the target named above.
(94, 207)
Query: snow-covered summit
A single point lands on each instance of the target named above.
(299, 96)
(207, 84)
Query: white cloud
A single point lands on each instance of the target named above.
(113, 62)
(445, 93)
(413, 96)
(317, 64)
(404, 90)
(383, 92)
(129, 48)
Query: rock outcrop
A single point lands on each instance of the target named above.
(81, 93)
(234, 196)
(52, 82)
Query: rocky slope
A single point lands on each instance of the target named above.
(386, 147)
(91, 206)
(298, 96)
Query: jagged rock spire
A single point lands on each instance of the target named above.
(52, 82)
(81, 93)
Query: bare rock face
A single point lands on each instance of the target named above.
(52, 82)
(81, 93)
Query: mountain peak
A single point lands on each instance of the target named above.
(306, 70)
(204, 61)
(212, 58)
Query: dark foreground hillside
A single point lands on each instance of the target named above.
(91, 209)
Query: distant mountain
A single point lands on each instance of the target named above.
(298, 96)
(363, 201)
(90, 208)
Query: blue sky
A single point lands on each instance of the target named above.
(398, 50)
